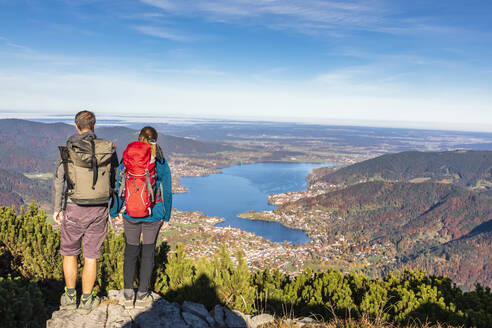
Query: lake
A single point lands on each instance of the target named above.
(242, 188)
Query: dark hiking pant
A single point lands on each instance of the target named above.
(134, 232)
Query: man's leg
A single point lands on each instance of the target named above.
(89, 275)
(70, 236)
(70, 271)
(96, 217)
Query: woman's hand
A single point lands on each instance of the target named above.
(118, 220)
(164, 225)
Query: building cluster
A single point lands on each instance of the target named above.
(201, 237)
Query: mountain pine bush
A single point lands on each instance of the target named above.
(21, 303)
(30, 264)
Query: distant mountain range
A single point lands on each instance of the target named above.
(28, 146)
(32, 147)
(470, 169)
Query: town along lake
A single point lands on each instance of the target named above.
(243, 188)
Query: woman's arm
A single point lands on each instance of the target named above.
(164, 174)
(116, 200)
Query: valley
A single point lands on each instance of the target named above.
(396, 198)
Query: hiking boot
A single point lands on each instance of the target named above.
(129, 298)
(68, 301)
(144, 302)
(87, 305)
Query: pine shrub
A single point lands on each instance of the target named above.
(31, 264)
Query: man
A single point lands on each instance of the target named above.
(83, 182)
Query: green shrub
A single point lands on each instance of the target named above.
(31, 266)
(21, 303)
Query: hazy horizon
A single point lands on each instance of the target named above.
(183, 119)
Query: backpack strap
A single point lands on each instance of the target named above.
(65, 158)
(149, 186)
(94, 165)
(122, 182)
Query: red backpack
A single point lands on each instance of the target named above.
(139, 179)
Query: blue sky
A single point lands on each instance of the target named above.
(365, 62)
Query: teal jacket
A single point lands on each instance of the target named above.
(161, 211)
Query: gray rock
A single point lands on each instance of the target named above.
(261, 319)
(194, 320)
(73, 319)
(199, 310)
(117, 317)
(219, 316)
(235, 319)
(307, 320)
(161, 314)
(116, 295)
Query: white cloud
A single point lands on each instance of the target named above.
(321, 14)
(334, 18)
(163, 33)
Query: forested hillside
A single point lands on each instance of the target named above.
(28, 146)
(468, 258)
(418, 220)
(16, 189)
(470, 169)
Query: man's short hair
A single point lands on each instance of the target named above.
(85, 120)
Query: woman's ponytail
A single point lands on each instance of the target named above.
(149, 135)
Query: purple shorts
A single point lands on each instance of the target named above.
(88, 224)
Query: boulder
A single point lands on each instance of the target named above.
(198, 310)
(73, 319)
(219, 316)
(162, 314)
(235, 319)
(195, 321)
(117, 317)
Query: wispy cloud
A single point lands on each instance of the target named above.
(9, 44)
(190, 71)
(332, 18)
(142, 15)
(162, 32)
(311, 10)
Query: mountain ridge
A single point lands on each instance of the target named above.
(32, 147)
(467, 168)
(415, 218)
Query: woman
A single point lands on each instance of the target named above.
(144, 214)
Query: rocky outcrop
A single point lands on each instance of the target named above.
(112, 314)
